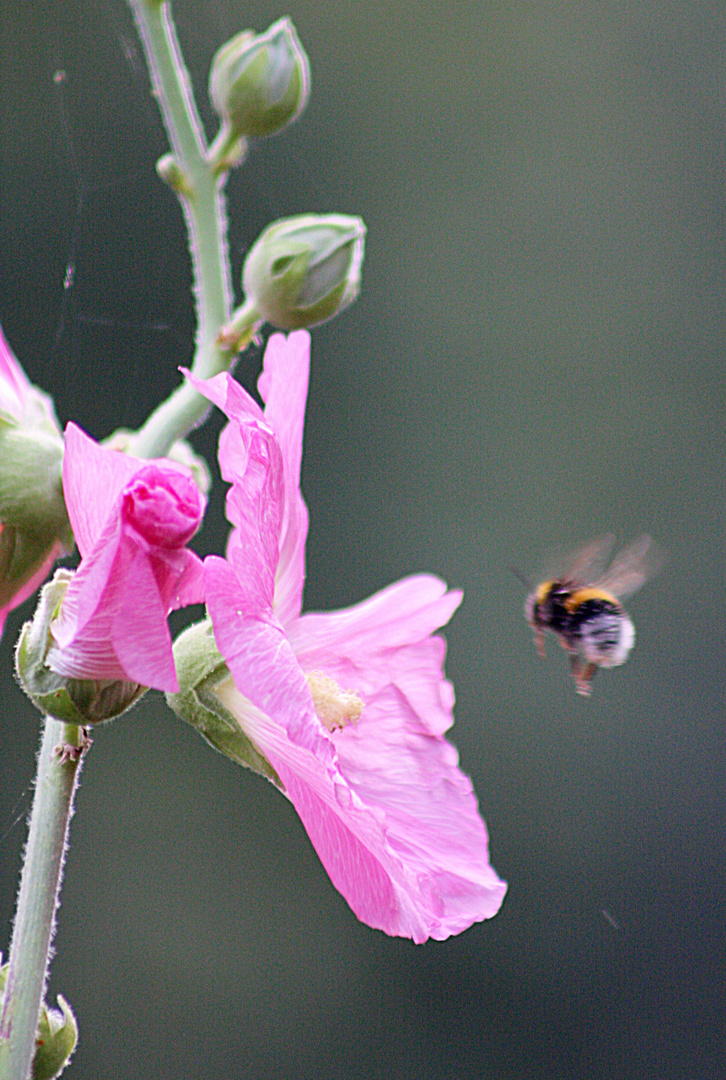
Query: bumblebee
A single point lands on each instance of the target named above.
(582, 606)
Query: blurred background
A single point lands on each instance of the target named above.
(536, 358)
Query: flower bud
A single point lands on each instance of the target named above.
(181, 451)
(34, 526)
(73, 701)
(259, 83)
(304, 270)
(200, 670)
(56, 1035)
(55, 1040)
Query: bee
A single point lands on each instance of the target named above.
(582, 605)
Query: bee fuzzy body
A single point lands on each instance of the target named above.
(588, 619)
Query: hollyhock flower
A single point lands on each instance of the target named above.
(132, 520)
(34, 527)
(349, 707)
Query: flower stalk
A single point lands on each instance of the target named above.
(200, 189)
(62, 751)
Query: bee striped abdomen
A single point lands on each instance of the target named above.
(599, 628)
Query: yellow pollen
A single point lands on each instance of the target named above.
(335, 708)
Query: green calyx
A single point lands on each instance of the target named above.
(200, 668)
(73, 701)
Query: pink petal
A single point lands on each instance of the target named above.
(283, 386)
(404, 612)
(32, 583)
(88, 588)
(133, 519)
(93, 478)
(14, 383)
(395, 823)
(140, 631)
(251, 461)
(227, 394)
(257, 653)
(121, 638)
(181, 580)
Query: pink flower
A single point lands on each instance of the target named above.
(15, 387)
(350, 707)
(34, 529)
(132, 520)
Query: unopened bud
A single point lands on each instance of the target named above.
(200, 670)
(304, 270)
(73, 701)
(56, 1035)
(181, 451)
(169, 170)
(55, 1040)
(34, 526)
(258, 84)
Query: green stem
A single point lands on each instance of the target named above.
(38, 898)
(202, 200)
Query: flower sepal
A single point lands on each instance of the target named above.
(72, 701)
(201, 670)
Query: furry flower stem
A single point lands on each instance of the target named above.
(61, 752)
(199, 188)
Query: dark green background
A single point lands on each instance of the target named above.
(537, 357)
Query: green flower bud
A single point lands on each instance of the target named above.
(259, 83)
(56, 1035)
(169, 170)
(35, 526)
(200, 669)
(73, 701)
(304, 270)
(55, 1040)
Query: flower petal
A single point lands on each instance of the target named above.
(133, 519)
(386, 640)
(14, 383)
(32, 583)
(394, 821)
(406, 611)
(251, 460)
(93, 478)
(125, 635)
(259, 656)
(283, 386)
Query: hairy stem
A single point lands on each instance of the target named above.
(30, 948)
(202, 198)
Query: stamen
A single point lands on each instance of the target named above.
(335, 707)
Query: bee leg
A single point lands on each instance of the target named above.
(539, 641)
(583, 674)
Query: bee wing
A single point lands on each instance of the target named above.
(633, 566)
(587, 564)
